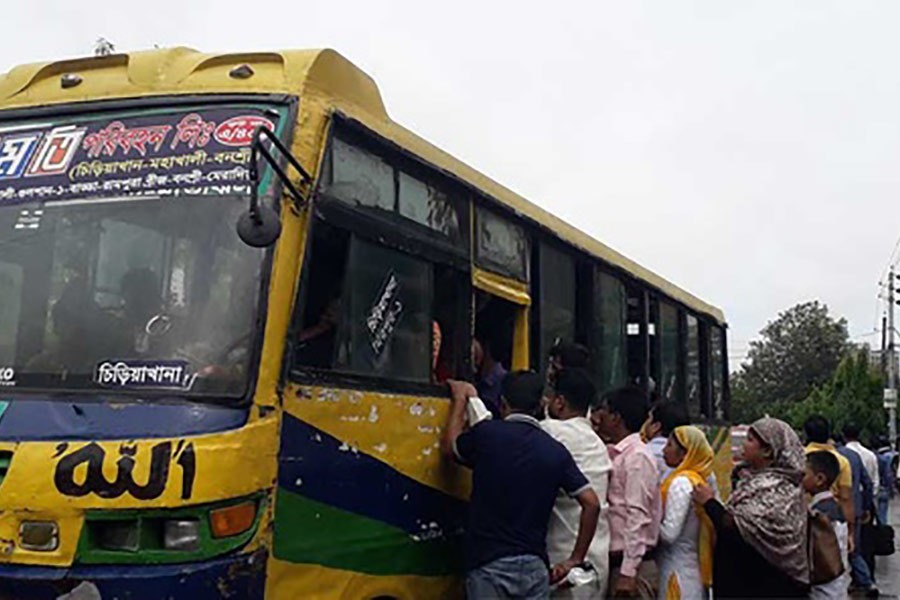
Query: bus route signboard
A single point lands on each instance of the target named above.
(177, 153)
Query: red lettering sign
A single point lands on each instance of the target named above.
(238, 131)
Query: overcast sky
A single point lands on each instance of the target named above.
(747, 151)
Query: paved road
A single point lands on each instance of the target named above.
(887, 570)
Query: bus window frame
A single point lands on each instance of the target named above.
(662, 301)
(487, 263)
(535, 232)
(539, 354)
(175, 103)
(604, 270)
(399, 234)
(723, 373)
(401, 161)
(705, 370)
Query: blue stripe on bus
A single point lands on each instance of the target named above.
(69, 418)
(322, 468)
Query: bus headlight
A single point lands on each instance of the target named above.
(169, 535)
(40, 536)
(116, 535)
(181, 534)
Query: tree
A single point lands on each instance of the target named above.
(797, 352)
(854, 393)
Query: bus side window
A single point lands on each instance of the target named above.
(495, 324)
(694, 388)
(371, 310)
(315, 341)
(451, 324)
(717, 370)
(557, 300)
(610, 332)
(670, 384)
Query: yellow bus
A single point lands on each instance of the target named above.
(230, 290)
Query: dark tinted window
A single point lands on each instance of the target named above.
(694, 391)
(638, 360)
(386, 324)
(609, 323)
(669, 350)
(717, 367)
(557, 301)
(501, 245)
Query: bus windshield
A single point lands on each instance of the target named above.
(131, 293)
(120, 268)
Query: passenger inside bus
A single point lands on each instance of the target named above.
(492, 347)
(77, 324)
(449, 328)
(141, 300)
(315, 343)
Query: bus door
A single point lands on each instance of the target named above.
(500, 278)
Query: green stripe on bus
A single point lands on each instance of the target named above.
(310, 532)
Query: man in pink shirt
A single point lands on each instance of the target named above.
(634, 502)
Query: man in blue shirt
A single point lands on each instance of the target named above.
(489, 372)
(517, 472)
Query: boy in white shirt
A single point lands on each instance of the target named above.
(822, 469)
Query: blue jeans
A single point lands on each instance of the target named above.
(859, 571)
(883, 504)
(523, 577)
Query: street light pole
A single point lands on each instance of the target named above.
(890, 392)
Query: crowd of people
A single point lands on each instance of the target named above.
(575, 496)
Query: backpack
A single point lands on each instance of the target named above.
(825, 562)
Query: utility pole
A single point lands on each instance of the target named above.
(890, 392)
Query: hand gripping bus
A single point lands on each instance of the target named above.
(231, 291)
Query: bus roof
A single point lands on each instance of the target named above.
(321, 75)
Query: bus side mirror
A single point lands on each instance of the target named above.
(260, 226)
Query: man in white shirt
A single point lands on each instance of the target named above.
(869, 460)
(572, 393)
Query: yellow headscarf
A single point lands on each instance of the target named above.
(697, 466)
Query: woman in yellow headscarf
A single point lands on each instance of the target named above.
(686, 533)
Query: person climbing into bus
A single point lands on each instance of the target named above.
(489, 373)
(511, 500)
(572, 396)
(566, 355)
(562, 355)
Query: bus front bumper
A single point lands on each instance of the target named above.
(237, 577)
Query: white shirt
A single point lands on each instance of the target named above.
(592, 458)
(679, 535)
(869, 461)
